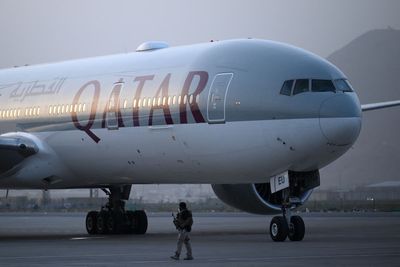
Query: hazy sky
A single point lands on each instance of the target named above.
(52, 30)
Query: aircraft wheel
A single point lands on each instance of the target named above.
(139, 222)
(111, 224)
(278, 229)
(131, 222)
(297, 228)
(102, 222)
(91, 222)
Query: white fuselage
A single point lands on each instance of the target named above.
(209, 113)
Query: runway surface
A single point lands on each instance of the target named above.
(223, 239)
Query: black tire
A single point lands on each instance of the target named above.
(140, 222)
(278, 229)
(91, 222)
(131, 222)
(101, 223)
(297, 228)
(111, 224)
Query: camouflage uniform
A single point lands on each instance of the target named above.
(183, 223)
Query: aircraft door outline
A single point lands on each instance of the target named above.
(113, 109)
(216, 101)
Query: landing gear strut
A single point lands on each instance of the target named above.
(113, 218)
(287, 225)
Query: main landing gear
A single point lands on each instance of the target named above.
(113, 218)
(287, 225)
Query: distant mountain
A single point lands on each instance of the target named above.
(372, 64)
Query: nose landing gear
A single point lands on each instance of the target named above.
(113, 218)
(287, 225)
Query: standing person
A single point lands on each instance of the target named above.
(183, 223)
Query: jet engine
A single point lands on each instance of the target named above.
(258, 199)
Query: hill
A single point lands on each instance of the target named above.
(372, 64)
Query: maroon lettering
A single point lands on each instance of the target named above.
(164, 106)
(141, 80)
(194, 107)
(86, 128)
(113, 105)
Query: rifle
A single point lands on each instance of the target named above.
(175, 221)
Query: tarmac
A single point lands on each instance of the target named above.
(218, 239)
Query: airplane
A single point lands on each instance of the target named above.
(256, 119)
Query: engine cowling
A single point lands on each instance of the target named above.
(258, 199)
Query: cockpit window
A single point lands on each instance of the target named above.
(301, 86)
(287, 87)
(343, 85)
(317, 86)
(322, 86)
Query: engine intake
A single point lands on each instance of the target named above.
(258, 199)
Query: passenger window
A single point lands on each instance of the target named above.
(322, 86)
(343, 85)
(300, 86)
(287, 87)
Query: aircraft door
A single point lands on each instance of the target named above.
(113, 108)
(217, 98)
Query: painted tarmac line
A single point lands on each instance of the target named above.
(86, 238)
(250, 259)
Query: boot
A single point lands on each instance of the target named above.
(175, 257)
(188, 258)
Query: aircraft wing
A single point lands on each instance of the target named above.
(13, 150)
(380, 105)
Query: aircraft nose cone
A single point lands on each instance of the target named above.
(340, 119)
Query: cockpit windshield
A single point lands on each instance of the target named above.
(322, 86)
(301, 86)
(287, 87)
(294, 87)
(343, 85)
